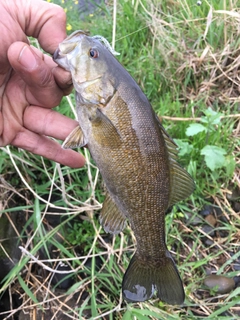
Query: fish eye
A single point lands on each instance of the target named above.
(93, 53)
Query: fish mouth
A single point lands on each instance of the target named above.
(68, 45)
(59, 57)
(56, 54)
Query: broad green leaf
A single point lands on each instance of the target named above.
(212, 117)
(230, 165)
(127, 315)
(184, 147)
(214, 156)
(195, 128)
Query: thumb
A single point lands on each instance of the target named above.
(35, 69)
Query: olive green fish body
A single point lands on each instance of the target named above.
(136, 158)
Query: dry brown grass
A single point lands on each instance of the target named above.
(212, 70)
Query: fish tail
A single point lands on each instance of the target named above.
(143, 278)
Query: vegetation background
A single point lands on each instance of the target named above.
(186, 57)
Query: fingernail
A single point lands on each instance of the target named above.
(27, 58)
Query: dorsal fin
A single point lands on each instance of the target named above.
(181, 183)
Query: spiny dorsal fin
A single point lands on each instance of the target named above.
(181, 183)
(75, 139)
(111, 218)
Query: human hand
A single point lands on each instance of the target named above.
(30, 82)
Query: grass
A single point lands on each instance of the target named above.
(186, 59)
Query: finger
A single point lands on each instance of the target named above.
(47, 23)
(10, 32)
(63, 79)
(48, 122)
(37, 74)
(48, 148)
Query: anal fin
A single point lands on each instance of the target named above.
(111, 218)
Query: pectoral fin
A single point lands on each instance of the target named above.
(104, 131)
(75, 139)
(111, 218)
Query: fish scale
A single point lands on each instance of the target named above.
(136, 158)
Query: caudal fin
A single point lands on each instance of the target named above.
(143, 278)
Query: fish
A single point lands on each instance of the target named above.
(136, 158)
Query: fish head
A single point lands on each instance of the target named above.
(87, 58)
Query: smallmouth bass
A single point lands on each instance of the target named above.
(136, 158)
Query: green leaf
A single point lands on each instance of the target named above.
(195, 128)
(127, 315)
(212, 117)
(144, 313)
(28, 291)
(225, 307)
(184, 147)
(230, 165)
(214, 157)
(74, 287)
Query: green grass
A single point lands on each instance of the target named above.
(184, 60)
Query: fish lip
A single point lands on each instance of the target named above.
(60, 59)
(56, 54)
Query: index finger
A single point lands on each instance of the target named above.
(49, 122)
(47, 23)
(48, 148)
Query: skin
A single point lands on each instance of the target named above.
(31, 84)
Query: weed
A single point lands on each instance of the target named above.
(208, 132)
